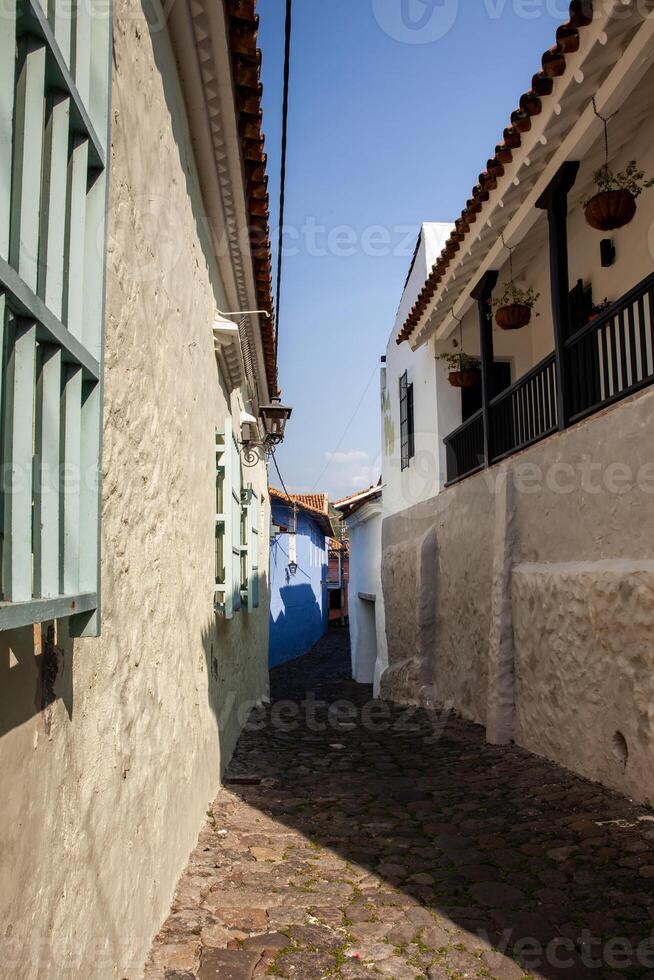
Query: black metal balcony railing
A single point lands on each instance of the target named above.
(465, 448)
(612, 356)
(609, 358)
(525, 412)
(519, 416)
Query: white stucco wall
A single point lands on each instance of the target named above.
(112, 748)
(434, 408)
(573, 547)
(367, 617)
(528, 604)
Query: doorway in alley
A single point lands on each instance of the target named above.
(364, 668)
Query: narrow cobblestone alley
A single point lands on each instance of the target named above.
(370, 840)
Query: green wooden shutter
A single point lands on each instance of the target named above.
(236, 488)
(254, 513)
(221, 491)
(228, 520)
(55, 79)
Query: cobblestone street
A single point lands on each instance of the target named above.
(373, 840)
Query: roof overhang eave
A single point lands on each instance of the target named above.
(511, 209)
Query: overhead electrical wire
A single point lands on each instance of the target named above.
(281, 480)
(354, 414)
(282, 179)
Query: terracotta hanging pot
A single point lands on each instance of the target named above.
(513, 317)
(610, 209)
(464, 379)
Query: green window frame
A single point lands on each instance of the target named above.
(238, 521)
(235, 549)
(55, 75)
(229, 547)
(254, 544)
(221, 521)
(228, 523)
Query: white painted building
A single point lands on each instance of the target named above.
(363, 515)
(134, 588)
(434, 406)
(517, 541)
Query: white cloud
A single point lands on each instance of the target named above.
(360, 478)
(352, 470)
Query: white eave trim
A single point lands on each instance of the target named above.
(371, 492)
(199, 35)
(227, 344)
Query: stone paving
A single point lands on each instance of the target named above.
(369, 840)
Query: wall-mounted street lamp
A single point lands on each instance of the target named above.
(292, 567)
(274, 417)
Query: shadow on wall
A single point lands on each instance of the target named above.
(35, 672)
(236, 649)
(297, 625)
(129, 725)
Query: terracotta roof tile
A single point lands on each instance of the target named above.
(553, 65)
(301, 500)
(319, 501)
(246, 73)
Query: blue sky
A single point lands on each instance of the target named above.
(395, 106)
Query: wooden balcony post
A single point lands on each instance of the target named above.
(555, 201)
(483, 293)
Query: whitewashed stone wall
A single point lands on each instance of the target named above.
(541, 593)
(111, 749)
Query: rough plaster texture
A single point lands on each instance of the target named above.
(501, 694)
(585, 668)
(444, 650)
(112, 748)
(553, 584)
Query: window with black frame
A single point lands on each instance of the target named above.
(407, 430)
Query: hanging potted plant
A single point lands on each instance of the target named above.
(464, 368)
(614, 204)
(597, 309)
(513, 307)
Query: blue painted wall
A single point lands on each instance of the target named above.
(298, 604)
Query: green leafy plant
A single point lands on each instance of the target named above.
(513, 295)
(458, 360)
(631, 179)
